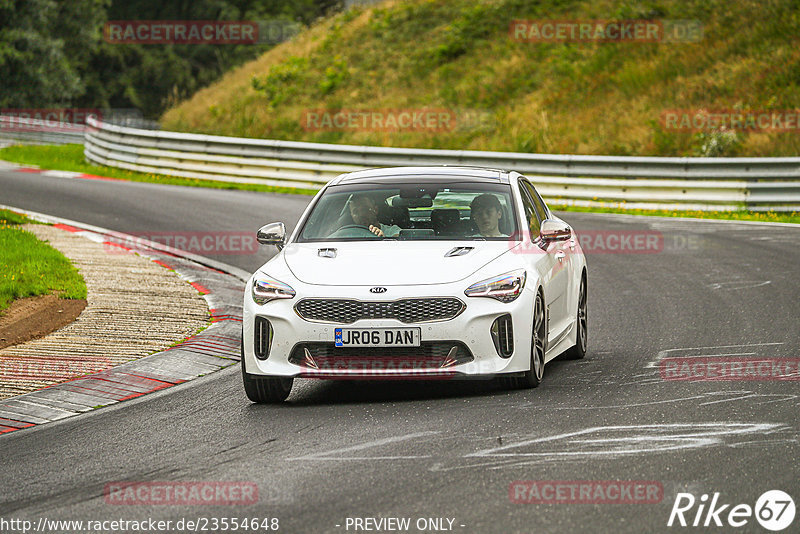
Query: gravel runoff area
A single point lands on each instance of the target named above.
(135, 307)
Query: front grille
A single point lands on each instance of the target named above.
(429, 355)
(346, 311)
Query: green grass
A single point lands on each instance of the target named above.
(564, 98)
(70, 158)
(10, 217)
(32, 267)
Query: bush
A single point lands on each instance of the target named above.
(717, 143)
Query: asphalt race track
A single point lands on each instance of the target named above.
(447, 449)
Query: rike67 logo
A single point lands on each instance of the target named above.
(774, 510)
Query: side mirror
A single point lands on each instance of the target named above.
(553, 230)
(272, 234)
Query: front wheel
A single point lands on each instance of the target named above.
(533, 377)
(578, 351)
(265, 390)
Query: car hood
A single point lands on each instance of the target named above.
(389, 262)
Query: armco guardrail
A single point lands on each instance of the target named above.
(635, 182)
(38, 132)
(29, 131)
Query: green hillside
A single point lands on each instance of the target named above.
(458, 57)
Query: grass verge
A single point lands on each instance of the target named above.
(32, 267)
(70, 158)
(9, 217)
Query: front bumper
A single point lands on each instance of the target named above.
(470, 330)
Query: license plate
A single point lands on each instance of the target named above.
(376, 337)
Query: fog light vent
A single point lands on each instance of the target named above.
(262, 338)
(503, 336)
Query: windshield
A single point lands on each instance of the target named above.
(435, 211)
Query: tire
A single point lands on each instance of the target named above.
(265, 390)
(578, 351)
(533, 376)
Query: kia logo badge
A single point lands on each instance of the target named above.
(378, 290)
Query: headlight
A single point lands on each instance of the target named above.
(266, 289)
(505, 287)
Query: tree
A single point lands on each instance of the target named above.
(43, 43)
(52, 52)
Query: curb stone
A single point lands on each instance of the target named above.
(215, 348)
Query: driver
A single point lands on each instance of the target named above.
(364, 211)
(487, 212)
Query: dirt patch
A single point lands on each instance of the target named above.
(35, 317)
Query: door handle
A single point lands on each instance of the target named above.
(560, 255)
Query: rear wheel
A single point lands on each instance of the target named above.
(533, 377)
(578, 351)
(265, 390)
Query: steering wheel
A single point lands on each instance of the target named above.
(352, 227)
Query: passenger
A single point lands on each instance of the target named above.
(486, 211)
(364, 211)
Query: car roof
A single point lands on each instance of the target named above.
(433, 173)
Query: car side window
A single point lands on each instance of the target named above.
(534, 222)
(538, 203)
